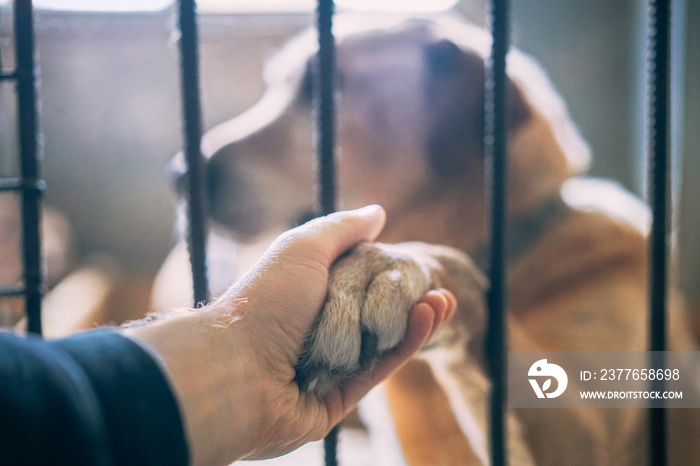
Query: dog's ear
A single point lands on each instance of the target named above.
(454, 91)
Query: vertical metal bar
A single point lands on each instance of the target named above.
(31, 183)
(658, 190)
(189, 68)
(496, 139)
(324, 108)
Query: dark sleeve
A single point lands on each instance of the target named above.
(96, 398)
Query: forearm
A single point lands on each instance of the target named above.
(214, 378)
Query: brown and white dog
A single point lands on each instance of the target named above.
(410, 132)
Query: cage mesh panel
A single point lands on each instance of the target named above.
(29, 185)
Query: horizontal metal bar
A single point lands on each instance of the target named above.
(8, 74)
(13, 290)
(19, 184)
(17, 73)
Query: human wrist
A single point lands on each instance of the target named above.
(212, 372)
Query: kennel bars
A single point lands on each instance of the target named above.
(31, 186)
(496, 136)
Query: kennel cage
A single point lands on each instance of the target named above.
(30, 186)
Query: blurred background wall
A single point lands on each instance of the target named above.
(110, 108)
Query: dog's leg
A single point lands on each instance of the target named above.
(467, 388)
(577, 436)
(425, 424)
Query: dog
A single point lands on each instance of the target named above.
(410, 132)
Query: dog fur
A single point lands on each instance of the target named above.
(410, 132)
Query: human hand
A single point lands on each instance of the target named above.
(232, 362)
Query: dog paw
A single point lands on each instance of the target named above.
(370, 292)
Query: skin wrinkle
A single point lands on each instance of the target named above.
(228, 316)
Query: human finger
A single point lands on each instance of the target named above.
(330, 236)
(443, 303)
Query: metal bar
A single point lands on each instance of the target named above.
(496, 137)
(658, 195)
(189, 68)
(18, 184)
(7, 74)
(8, 291)
(29, 164)
(324, 108)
